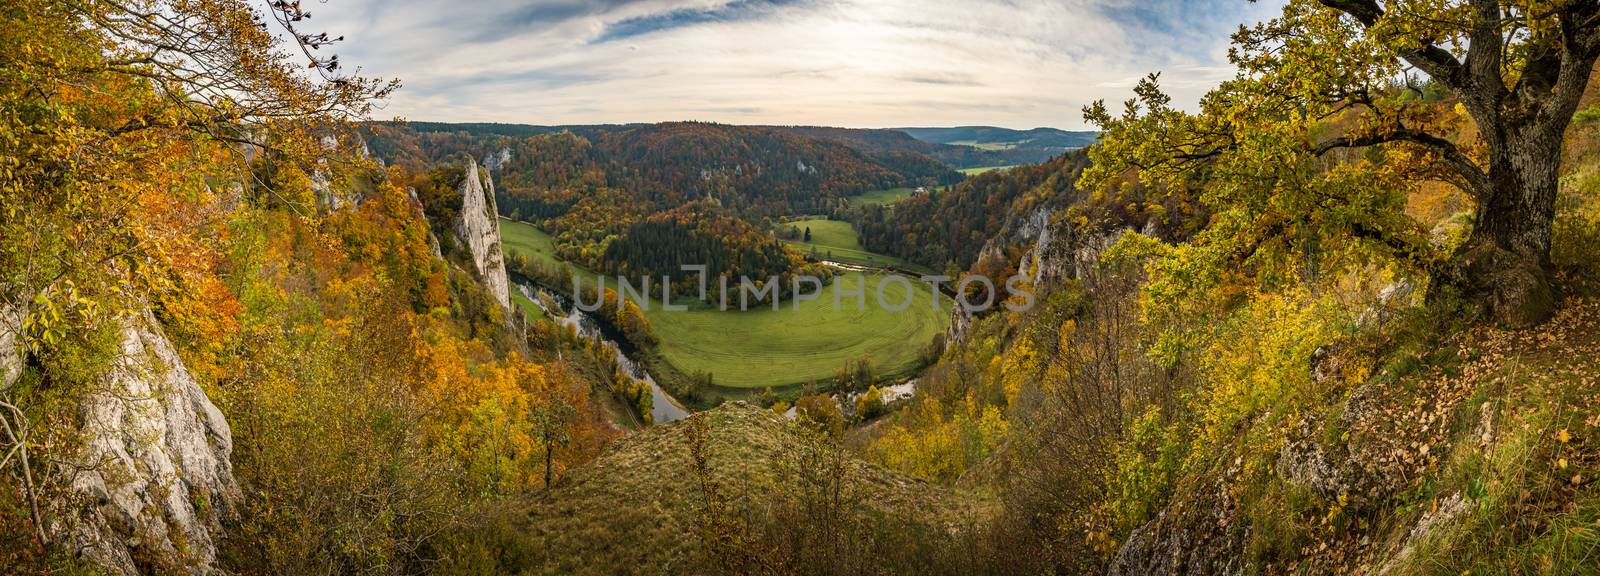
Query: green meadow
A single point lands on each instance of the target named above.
(795, 344)
(836, 240)
(530, 311)
(982, 169)
(805, 341)
(889, 196)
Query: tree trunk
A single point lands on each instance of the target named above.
(1504, 267)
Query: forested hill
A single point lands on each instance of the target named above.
(753, 170)
(947, 228)
(890, 142)
(1014, 146)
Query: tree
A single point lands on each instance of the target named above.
(633, 323)
(1340, 105)
(808, 234)
(870, 404)
(550, 422)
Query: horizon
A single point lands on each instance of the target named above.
(845, 63)
(906, 127)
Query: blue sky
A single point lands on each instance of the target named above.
(858, 63)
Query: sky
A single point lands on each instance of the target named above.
(853, 63)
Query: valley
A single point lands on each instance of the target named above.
(780, 349)
(1299, 287)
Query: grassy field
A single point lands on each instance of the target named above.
(992, 146)
(777, 348)
(521, 238)
(761, 348)
(874, 197)
(982, 169)
(530, 311)
(836, 240)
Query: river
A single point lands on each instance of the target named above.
(664, 407)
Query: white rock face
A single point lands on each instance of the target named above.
(154, 473)
(477, 228)
(496, 160)
(11, 317)
(322, 186)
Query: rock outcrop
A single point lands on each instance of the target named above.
(152, 481)
(1198, 536)
(960, 325)
(478, 229)
(11, 316)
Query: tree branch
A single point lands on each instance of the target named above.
(1477, 181)
(1485, 52)
(1439, 63)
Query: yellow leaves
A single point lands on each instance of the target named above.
(1021, 365)
(1258, 359)
(1563, 436)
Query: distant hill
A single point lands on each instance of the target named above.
(1014, 146)
(984, 136)
(756, 171)
(888, 143)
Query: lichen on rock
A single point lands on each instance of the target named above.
(153, 474)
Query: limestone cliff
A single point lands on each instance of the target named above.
(479, 231)
(11, 316)
(152, 477)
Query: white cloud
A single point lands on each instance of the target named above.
(842, 62)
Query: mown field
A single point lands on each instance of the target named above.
(836, 240)
(793, 345)
(981, 169)
(889, 196)
(754, 349)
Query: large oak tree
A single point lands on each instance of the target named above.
(1341, 106)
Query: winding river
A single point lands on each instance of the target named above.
(664, 407)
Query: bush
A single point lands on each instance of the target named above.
(820, 412)
(870, 404)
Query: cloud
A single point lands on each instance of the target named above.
(684, 17)
(941, 79)
(1016, 63)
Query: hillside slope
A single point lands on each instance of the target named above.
(1478, 455)
(640, 508)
